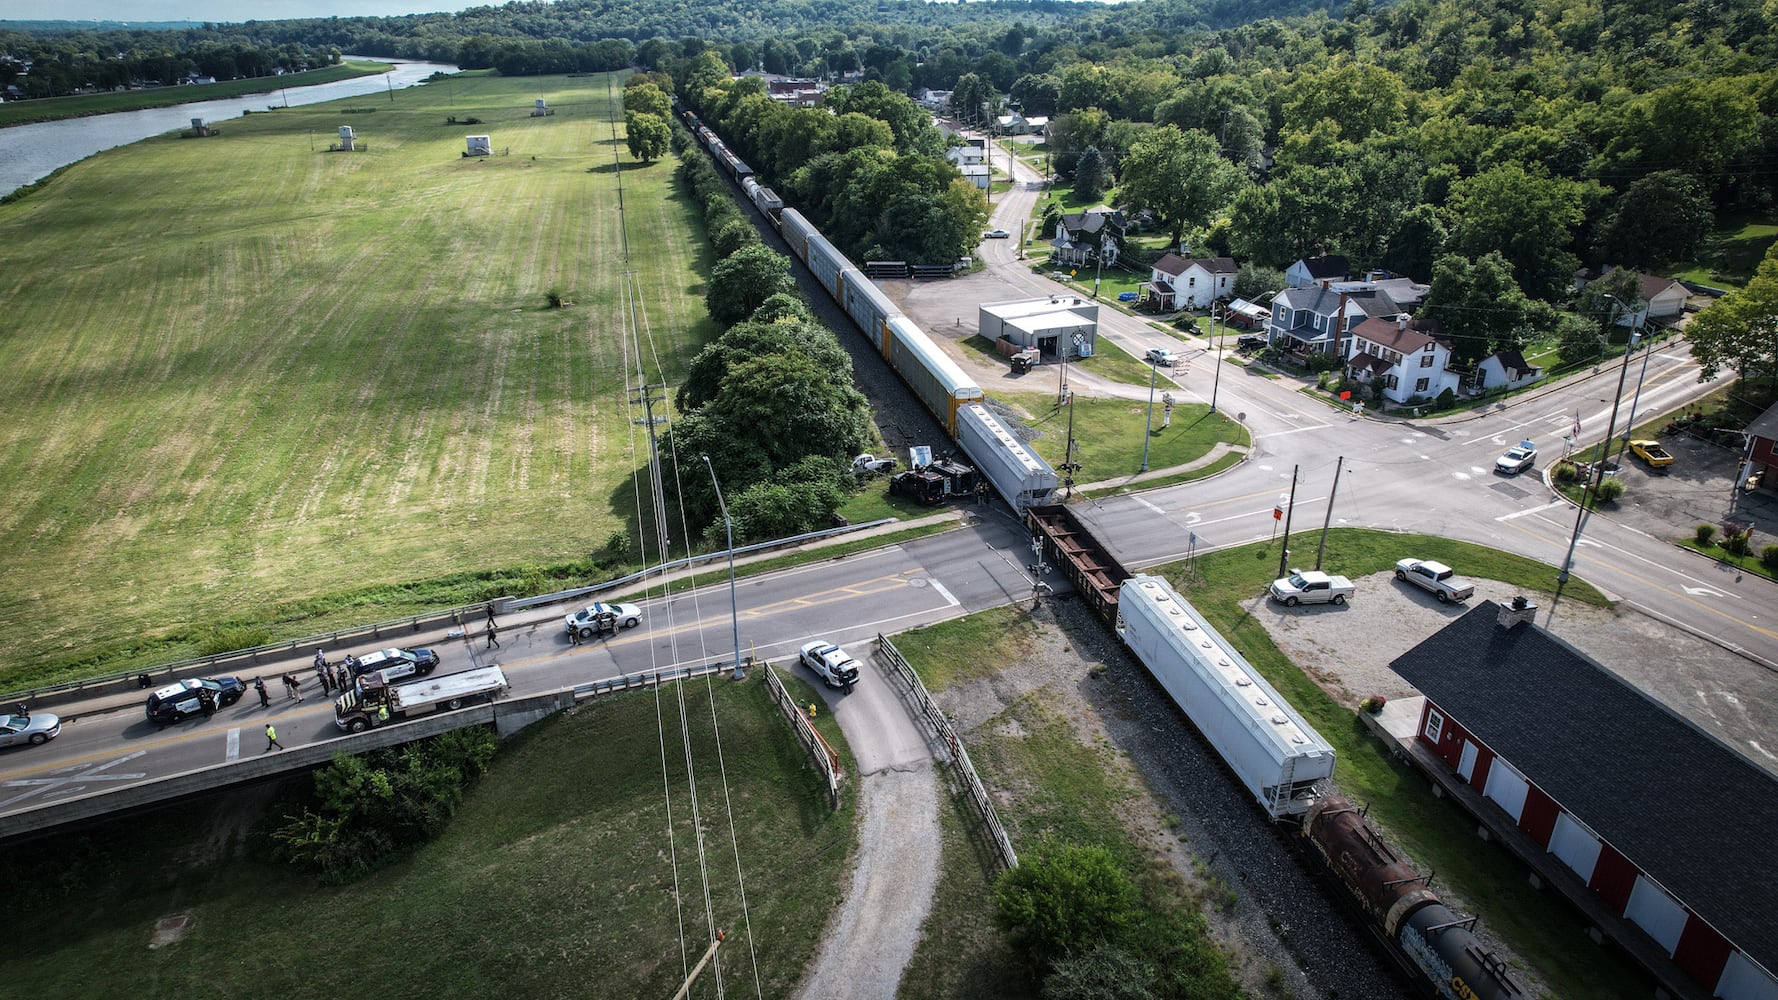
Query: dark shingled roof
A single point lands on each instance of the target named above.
(1692, 813)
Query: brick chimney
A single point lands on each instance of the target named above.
(1520, 611)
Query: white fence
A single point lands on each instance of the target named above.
(826, 760)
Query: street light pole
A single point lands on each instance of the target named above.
(728, 528)
(1216, 312)
(1148, 423)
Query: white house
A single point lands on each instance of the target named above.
(1405, 356)
(1665, 297)
(1190, 282)
(977, 174)
(965, 156)
(1311, 271)
(1504, 368)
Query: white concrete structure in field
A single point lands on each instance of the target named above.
(346, 137)
(478, 145)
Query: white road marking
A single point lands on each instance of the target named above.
(1296, 430)
(1530, 510)
(950, 600)
(57, 786)
(1701, 591)
(1144, 502)
(234, 745)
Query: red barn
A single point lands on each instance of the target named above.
(1668, 827)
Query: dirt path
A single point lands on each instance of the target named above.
(870, 938)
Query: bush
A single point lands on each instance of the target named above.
(1568, 472)
(1446, 400)
(1739, 543)
(1704, 533)
(366, 808)
(1610, 489)
(1064, 900)
(1768, 557)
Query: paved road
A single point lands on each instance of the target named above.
(848, 600)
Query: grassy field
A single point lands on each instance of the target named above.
(1732, 252)
(554, 879)
(245, 373)
(47, 109)
(1108, 433)
(1059, 786)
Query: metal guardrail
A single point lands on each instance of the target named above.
(941, 726)
(568, 595)
(644, 679)
(826, 760)
(457, 616)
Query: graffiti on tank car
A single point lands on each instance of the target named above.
(1420, 952)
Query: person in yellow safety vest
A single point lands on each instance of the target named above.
(383, 713)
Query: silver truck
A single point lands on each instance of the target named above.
(374, 701)
(1441, 580)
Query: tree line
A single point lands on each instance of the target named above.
(57, 65)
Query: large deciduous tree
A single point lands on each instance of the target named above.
(1527, 216)
(1662, 217)
(1740, 331)
(1181, 175)
(740, 282)
(648, 99)
(648, 136)
(1477, 303)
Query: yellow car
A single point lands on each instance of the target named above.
(1651, 452)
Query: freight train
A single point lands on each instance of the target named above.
(939, 383)
(1402, 907)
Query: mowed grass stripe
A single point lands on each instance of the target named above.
(245, 374)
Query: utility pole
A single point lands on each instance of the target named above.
(647, 397)
(1591, 491)
(1319, 549)
(1289, 509)
(1148, 423)
(1069, 465)
(1217, 311)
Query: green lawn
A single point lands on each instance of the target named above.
(1108, 433)
(555, 879)
(55, 108)
(248, 373)
(1731, 253)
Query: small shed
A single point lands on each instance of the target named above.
(346, 137)
(478, 145)
(540, 109)
(1057, 326)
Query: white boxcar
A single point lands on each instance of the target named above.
(935, 378)
(1021, 476)
(1278, 757)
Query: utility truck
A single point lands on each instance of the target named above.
(373, 701)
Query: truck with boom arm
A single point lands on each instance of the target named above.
(373, 701)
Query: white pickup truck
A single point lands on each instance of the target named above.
(1311, 587)
(1441, 580)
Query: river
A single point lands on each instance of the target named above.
(30, 152)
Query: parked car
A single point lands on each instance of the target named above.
(1250, 342)
(182, 700)
(397, 663)
(870, 465)
(1311, 587)
(1651, 452)
(35, 729)
(1161, 356)
(996, 234)
(1517, 460)
(830, 663)
(1441, 580)
(586, 621)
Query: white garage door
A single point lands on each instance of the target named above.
(1742, 980)
(1575, 845)
(1657, 913)
(1506, 787)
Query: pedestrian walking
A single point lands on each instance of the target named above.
(265, 700)
(493, 636)
(271, 738)
(296, 687)
(574, 637)
(490, 610)
(343, 678)
(326, 678)
(289, 687)
(320, 659)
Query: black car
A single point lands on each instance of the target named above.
(182, 699)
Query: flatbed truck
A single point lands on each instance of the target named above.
(373, 701)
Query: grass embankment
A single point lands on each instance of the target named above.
(49, 109)
(555, 878)
(1108, 433)
(265, 384)
(1047, 786)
